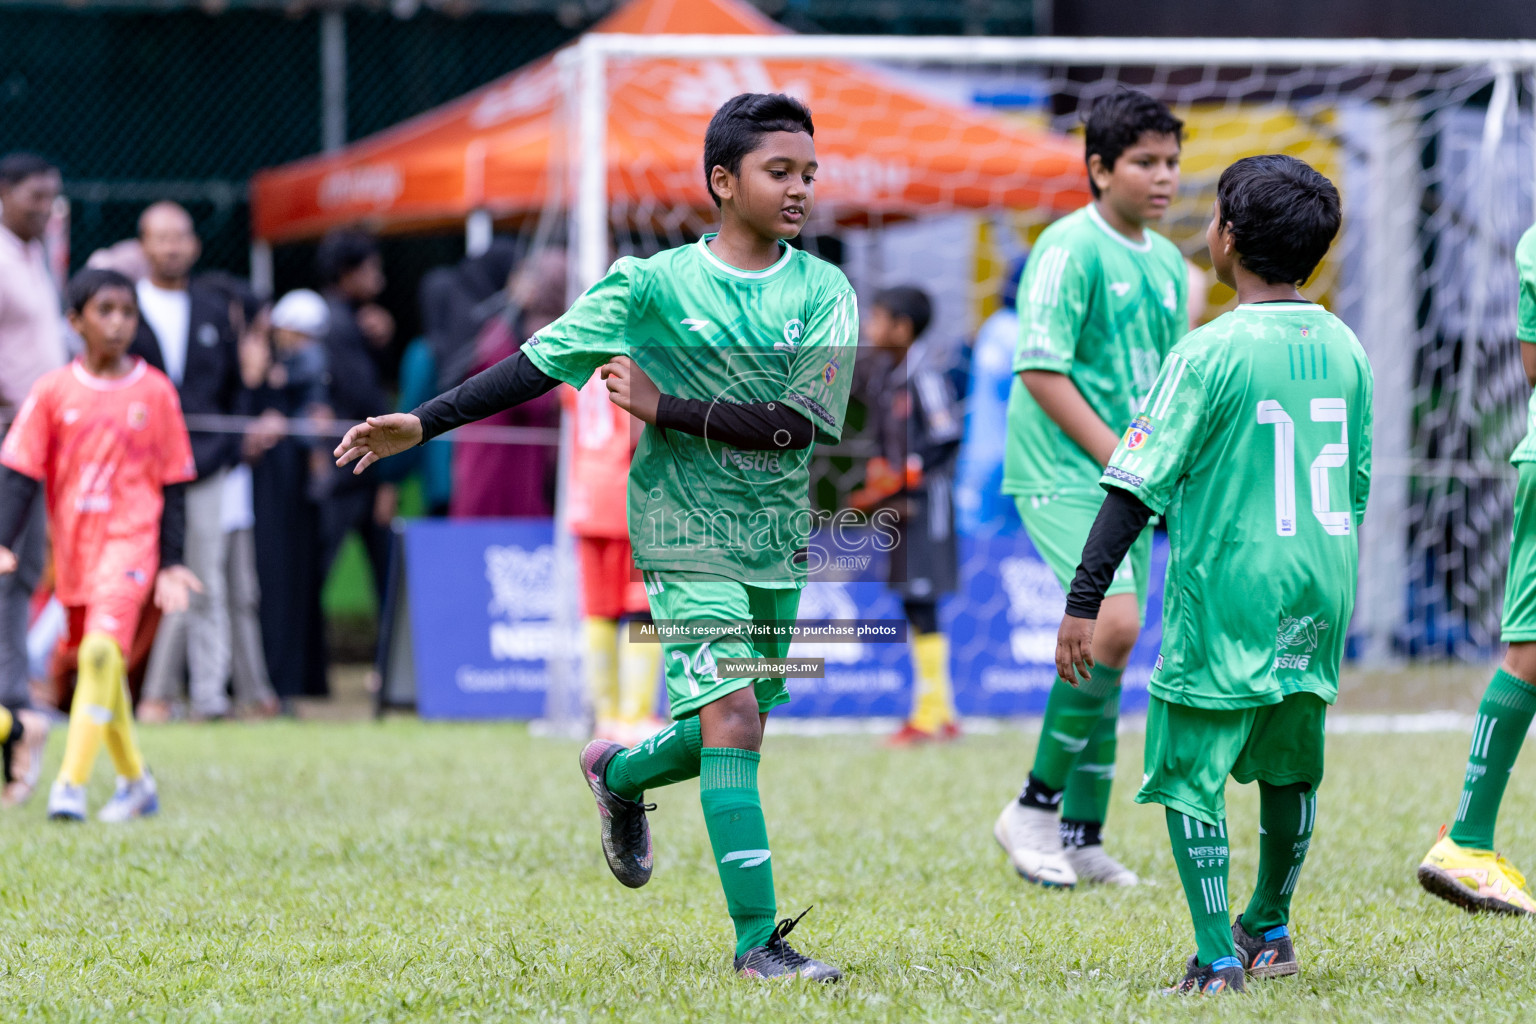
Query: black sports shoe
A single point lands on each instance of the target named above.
(1270, 955)
(778, 959)
(626, 833)
(1224, 975)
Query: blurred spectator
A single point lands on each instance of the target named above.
(288, 377)
(252, 687)
(31, 344)
(456, 304)
(357, 334)
(185, 331)
(494, 478)
(917, 426)
(980, 505)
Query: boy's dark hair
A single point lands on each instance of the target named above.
(1119, 120)
(343, 251)
(741, 121)
(1282, 213)
(16, 168)
(82, 288)
(910, 303)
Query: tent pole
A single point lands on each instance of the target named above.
(261, 268)
(592, 187)
(478, 230)
(333, 80)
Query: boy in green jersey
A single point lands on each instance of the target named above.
(1255, 447)
(736, 352)
(1101, 301)
(1462, 867)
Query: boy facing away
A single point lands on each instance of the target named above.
(1101, 302)
(736, 352)
(1255, 446)
(1462, 866)
(105, 439)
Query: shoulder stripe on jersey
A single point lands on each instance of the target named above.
(1175, 366)
(1045, 290)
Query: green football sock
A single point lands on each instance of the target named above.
(733, 814)
(1286, 817)
(671, 755)
(1200, 852)
(1503, 719)
(1086, 797)
(1071, 712)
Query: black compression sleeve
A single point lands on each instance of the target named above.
(173, 526)
(759, 426)
(1121, 519)
(512, 381)
(17, 491)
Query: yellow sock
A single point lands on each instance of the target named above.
(602, 636)
(934, 705)
(122, 745)
(639, 665)
(101, 675)
(7, 720)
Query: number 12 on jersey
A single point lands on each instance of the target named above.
(1324, 410)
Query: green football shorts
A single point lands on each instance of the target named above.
(729, 608)
(1520, 587)
(1191, 751)
(1058, 527)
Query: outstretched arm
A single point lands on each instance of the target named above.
(512, 381)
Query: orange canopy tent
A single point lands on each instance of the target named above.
(884, 147)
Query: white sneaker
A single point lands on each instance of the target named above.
(137, 798)
(66, 802)
(1092, 864)
(1032, 839)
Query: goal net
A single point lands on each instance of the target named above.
(943, 159)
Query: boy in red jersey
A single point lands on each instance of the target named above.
(105, 438)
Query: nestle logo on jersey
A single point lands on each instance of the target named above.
(750, 461)
(1297, 633)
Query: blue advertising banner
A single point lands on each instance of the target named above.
(482, 604)
(482, 607)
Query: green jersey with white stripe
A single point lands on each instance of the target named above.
(1104, 311)
(1525, 330)
(1255, 446)
(702, 329)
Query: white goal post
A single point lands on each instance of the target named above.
(1433, 143)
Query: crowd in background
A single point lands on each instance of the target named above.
(266, 388)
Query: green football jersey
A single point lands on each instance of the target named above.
(1255, 446)
(700, 328)
(1104, 311)
(1525, 330)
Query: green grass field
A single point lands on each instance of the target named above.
(410, 871)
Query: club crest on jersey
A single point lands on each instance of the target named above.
(829, 372)
(1306, 332)
(138, 415)
(792, 331)
(1141, 429)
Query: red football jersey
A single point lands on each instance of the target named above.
(104, 449)
(604, 437)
